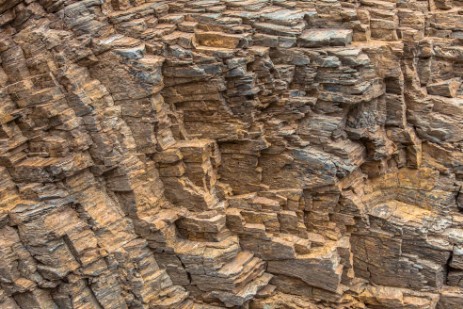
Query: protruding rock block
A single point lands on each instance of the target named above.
(448, 88)
(221, 40)
(325, 37)
(320, 268)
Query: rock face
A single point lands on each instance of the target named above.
(231, 154)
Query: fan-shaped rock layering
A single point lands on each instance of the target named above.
(256, 154)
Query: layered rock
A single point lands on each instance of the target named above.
(231, 154)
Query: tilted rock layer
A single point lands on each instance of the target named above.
(231, 154)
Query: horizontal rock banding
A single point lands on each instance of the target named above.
(231, 154)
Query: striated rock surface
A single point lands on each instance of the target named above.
(231, 154)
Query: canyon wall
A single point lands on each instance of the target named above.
(231, 154)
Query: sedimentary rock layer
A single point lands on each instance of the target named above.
(231, 154)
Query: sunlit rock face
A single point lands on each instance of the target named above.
(231, 154)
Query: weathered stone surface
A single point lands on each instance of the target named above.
(325, 37)
(231, 154)
(447, 88)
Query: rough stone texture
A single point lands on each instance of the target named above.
(231, 154)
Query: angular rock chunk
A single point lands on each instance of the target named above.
(325, 37)
(448, 88)
(220, 39)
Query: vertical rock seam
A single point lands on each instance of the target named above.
(256, 154)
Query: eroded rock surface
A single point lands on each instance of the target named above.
(231, 154)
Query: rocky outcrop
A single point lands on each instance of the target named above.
(231, 154)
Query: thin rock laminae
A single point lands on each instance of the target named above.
(231, 154)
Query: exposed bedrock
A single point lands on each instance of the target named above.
(231, 154)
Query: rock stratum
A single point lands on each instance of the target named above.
(231, 154)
